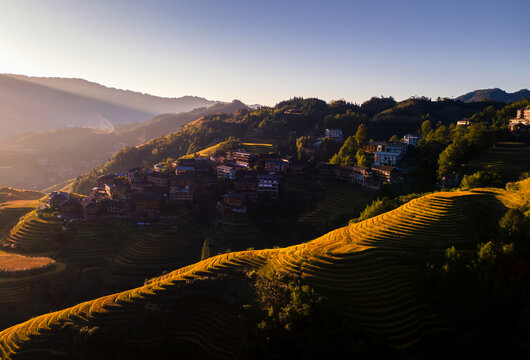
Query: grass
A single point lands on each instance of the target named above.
(508, 159)
(368, 268)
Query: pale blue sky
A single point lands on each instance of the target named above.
(267, 51)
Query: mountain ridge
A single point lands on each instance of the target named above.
(494, 94)
(40, 104)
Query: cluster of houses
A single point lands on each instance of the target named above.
(236, 179)
(520, 125)
(385, 156)
(250, 178)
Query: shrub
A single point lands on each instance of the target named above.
(481, 179)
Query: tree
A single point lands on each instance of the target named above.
(426, 128)
(205, 252)
(451, 157)
(361, 136)
(347, 160)
(395, 138)
(442, 134)
(362, 160)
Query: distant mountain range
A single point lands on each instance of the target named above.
(495, 94)
(37, 160)
(39, 104)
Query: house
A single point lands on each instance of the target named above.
(411, 140)
(56, 198)
(242, 158)
(106, 179)
(178, 193)
(521, 123)
(389, 153)
(386, 158)
(225, 171)
(277, 165)
(71, 208)
(185, 170)
(186, 162)
(117, 208)
(158, 168)
(361, 175)
(397, 147)
(139, 185)
(247, 186)
(335, 134)
(234, 199)
(118, 190)
(385, 174)
(371, 147)
(268, 186)
(184, 180)
(523, 114)
(158, 179)
(232, 202)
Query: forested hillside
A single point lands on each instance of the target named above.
(289, 120)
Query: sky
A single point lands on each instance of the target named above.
(262, 52)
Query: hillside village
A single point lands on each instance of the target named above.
(234, 178)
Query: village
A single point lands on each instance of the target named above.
(234, 179)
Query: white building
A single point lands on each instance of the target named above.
(335, 134)
(268, 186)
(386, 158)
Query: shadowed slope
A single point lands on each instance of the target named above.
(367, 267)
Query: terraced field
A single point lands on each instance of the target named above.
(341, 203)
(35, 233)
(508, 159)
(368, 267)
(257, 148)
(10, 213)
(150, 250)
(235, 235)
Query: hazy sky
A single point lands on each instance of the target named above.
(267, 51)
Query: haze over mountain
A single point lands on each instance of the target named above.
(495, 94)
(39, 104)
(67, 152)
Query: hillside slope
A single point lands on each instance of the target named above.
(368, 268)
(66, 153)
(50, 103)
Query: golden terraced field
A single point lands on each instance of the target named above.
(368, 267)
